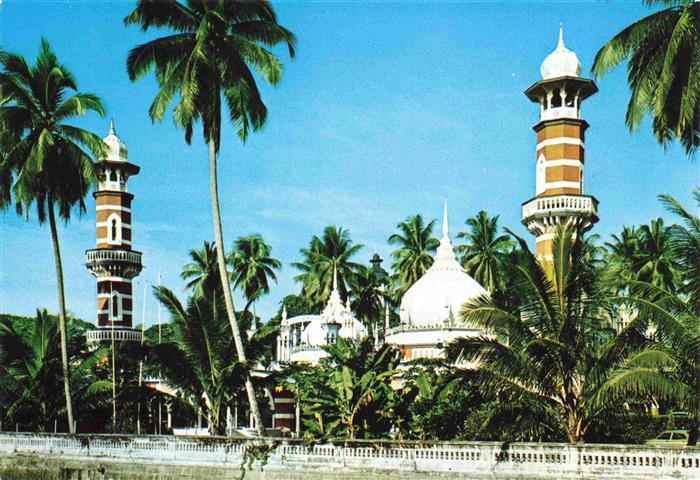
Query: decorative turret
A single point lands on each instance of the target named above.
(113, 262)
(560, 149)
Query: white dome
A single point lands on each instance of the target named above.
(116, 150)
(438, 296)
(562, 62)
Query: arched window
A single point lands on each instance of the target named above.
(114, 229)
(115, 306)
(556, 98)
(540, 175)
(570, 100)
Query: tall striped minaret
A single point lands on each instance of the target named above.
(113, 262)
(559, 195)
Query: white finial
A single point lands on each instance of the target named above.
(284, 314)
(560, 44)
(445, 226)
(112, 131)
(335, 277)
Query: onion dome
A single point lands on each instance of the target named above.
(437, 297)
(117, 151)
(562, 62)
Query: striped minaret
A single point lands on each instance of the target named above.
(113, 262)
(559, 195)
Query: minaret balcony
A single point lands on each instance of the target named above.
(542, 213)
(107, 334)
(108, 262)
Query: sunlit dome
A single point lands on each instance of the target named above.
(562, 62)
(439, 294)
(116, 150)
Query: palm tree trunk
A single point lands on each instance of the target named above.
(228, 298)
(61, 315)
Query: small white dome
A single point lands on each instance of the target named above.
(117, 151)
(438, 296)
(562, 62)
(316, 333)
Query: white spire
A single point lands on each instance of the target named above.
(444, 250)
(335, 278)
(112, 131)
(284, 315)
(560, 43)
(445, 225)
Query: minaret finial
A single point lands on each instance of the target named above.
(112, 131)
(335, 277)
(560, 44)
(445, 226)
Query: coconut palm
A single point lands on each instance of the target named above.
(200, 361)
(623, 248)
(555, 353)
(325, 255)
(484, 250)
(252, 267)
(415, 253)
(368, 298)
(202, 273)
(47, 160)
(655, 262)
(685, 245)
(31, 372)
(663, 70)
(210, 58)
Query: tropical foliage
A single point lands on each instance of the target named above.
(31, 375)
(200, 362)
(663, 70)
(331, 252)
(555, 353)
(252, 267)
(46, 161)
(348, 394)
(484, 251)
(414, 254)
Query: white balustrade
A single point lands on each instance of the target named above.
(559, 204)
(526, 460)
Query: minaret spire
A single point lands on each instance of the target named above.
(112, 131)
(335, 277)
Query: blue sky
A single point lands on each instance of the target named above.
(387, 109)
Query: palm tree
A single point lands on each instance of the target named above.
(655, 262)
(30, 377)
(685, 245)
(202, 272)
(367, 298)
(555, 353)
(664, 53)
(324, 255)
(252, 268)
(414, 255)
(200, 361)
(49, 160)
(485, 250)
(211, 56)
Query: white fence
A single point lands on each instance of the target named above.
(463, 460)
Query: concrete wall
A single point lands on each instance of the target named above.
(107, 457)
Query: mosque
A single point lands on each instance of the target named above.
(429, 309)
